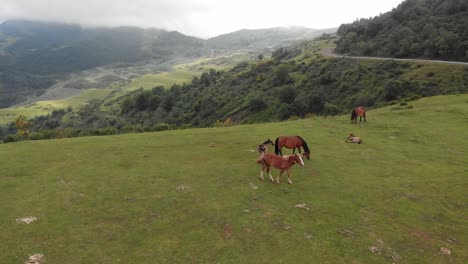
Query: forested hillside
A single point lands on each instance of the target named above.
(294, 83)
(432, 29)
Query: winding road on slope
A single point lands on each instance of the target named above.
(329, 52)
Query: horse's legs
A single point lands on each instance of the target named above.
(278, 179)
(269, 174)
(289, 176)
(364, 117)
(261, 172)
(294, 150)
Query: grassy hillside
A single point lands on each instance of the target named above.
(193, 196)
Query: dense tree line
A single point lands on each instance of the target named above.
(434, 29)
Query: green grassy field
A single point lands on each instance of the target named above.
(193, 196)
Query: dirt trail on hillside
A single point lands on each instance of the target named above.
(329, 52)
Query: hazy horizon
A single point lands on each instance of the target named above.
(198, 18)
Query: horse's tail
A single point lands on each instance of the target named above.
(276, 146)
(304, 145)
(353, 114)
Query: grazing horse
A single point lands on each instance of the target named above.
(358, 111)
(282, 163)
(353, 139)
(291, 142)
(262, 148)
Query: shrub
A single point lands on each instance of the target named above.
(330, 109)
(161, 127)
(11, 138)
(257, 104)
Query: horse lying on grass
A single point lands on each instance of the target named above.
(353, 139)
(282, 163)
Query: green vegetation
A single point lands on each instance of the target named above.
(434, 29)
(193, 196)
(296, 83)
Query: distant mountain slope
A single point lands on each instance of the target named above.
(35, 55)
(433, 29)
(264, 38)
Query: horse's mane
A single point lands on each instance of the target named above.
(304, 145)
(276, 146)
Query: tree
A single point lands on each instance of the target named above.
(392, 90)
(257, 104)
(22, 126)
(287, 94)
(282, 75)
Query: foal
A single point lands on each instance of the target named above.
(282, 163)
(353, 139)
(262, 149)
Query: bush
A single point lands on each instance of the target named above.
(330, 109)
(11, 138)
(161, 127)
(287, 94)
(403, 103)
(257, 104)
(365, 100)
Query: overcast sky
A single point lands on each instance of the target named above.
(201, 18)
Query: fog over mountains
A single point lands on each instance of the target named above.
(33, 55)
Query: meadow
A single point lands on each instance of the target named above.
(193, 196)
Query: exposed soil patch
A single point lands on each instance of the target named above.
(227, 231)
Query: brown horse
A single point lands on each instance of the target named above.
(291, 142)
(282, 163)
(358, 111)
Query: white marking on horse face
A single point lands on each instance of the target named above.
(302, 162)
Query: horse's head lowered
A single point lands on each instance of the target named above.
(268, 141)
(297, 158)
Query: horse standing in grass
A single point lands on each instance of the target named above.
(358, 111)
(291, 142)
(282, 163)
